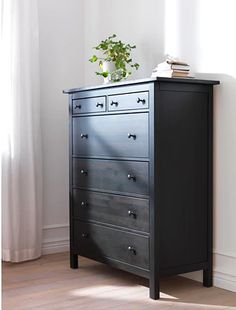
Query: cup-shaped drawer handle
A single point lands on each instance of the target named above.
(115, 103)
(99, 105)
(132, 250)
(130, 135)
(132, 213)
(78, 106)
(82, 136)
(131, 177)
(82, 171)
(84, 204)
(141, 100)
(85, 235)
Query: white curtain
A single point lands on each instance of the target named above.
(20, 131)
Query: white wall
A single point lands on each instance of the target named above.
(200, 31)
(61, 66)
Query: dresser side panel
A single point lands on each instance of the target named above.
(182, 187)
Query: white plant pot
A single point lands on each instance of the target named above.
(110, 67)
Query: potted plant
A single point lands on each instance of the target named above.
(115, 62)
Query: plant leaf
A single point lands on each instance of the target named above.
(93, 58)
(116, 51)
(104, 74)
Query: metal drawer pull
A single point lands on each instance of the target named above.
(131, 177)
(83, 172)
(141, 100)
(132, 213)
(114, 103)
(132, 250)
(78, 106)
(99, 105)
(130, 135)
(83, 136)
(85, 235)
(84, 204)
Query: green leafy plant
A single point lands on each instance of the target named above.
(117, 52)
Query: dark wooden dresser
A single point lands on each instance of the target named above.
(141, 176)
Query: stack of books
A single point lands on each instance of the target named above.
(172, 67)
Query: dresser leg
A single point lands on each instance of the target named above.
(207, 277)
(154, 291)
(73, 261)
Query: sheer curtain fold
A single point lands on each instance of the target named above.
(20, 131)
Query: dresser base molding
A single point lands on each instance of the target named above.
(113, 263)
(146, 273)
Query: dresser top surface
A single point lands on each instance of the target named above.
(142, 81)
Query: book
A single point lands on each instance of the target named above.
(168, 66)
(175, 60)
(172, 67)
(173, 73)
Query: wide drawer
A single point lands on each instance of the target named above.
(89, 105)
(128, 101)
(98, 241)
(111, 209)
(111, 135)
(110, 175)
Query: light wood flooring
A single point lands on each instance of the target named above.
(49, 283)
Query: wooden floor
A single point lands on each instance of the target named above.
(49, 283)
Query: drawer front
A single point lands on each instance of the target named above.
(89, 105)
(109, 175)
(128, 101)
(99, 241)
(117, 210)
(111, 135)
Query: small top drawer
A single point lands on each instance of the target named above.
(89, 105)
(128, 101)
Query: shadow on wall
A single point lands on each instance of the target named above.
(198, 32)
(224, 161)
(224, 174)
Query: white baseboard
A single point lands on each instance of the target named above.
(224, 274)
(56, 246)
(55, 239)
(225, 281)
(220, 279)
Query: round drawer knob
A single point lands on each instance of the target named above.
(130, 135)
(132, 250)
(115, 103)
(85, 235)
(131, 177)
(78, 106)
(141, 100)
(82, 136)
(84, 204)
(82, 171)
(132, 214)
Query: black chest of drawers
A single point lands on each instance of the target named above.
(141, 177)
